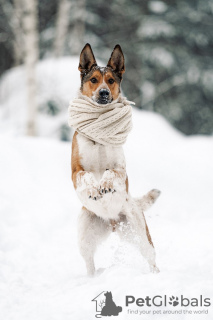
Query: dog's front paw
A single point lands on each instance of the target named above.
(93, 193)
(106, 183)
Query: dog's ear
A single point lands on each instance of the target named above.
(116, 61)
(87, 59)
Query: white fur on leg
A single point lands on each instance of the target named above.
(135, 232)
(154, 269)
(92, 230)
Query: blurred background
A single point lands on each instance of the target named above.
(168, 47)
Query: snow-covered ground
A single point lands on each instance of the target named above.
(42, 275)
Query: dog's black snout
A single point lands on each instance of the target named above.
(104, 93)
(104, 96)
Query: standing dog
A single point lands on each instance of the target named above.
(99, 172)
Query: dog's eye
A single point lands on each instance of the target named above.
(111, 81)
(94, 80)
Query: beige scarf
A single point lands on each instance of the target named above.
(107, 124)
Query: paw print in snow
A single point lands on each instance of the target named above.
(173, 301)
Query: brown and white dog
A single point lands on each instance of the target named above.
(99, 172)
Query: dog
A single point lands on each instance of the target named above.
(99, 172)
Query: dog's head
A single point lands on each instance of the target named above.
(101, 84)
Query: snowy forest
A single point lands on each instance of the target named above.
(168, 47)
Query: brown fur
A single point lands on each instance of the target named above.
(119, 174)
(148, 234)
(127, 184)
(102, 77)
(75, 160)
(113, 224)
(115, 87)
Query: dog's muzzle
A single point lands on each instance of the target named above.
(104, 96)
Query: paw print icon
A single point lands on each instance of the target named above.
(173, 301)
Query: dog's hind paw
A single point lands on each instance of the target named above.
(154, 269)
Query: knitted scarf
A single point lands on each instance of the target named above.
(107, 124)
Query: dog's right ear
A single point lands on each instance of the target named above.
(87, 59)
(116, 61)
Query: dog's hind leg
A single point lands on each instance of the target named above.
(92, 230)
(148, 250)
(135, 230)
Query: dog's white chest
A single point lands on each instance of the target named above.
(96, 158)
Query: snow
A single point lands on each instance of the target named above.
(153, 28)
(42, 275)
(57, 81)
(148, 92)
(162, 57)
(157, 6)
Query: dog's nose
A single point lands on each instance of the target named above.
(104, 94)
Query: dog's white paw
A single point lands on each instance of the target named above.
(106, 183)
(154, 269)
(93, 193)
(106, 187)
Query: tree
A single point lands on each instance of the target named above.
(12, 27)
(18, 35)
(62, 24)
(78, 27)
(30, 18)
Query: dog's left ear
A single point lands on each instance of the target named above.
(87, 59)
(116, 61)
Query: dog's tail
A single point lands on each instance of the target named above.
(147, 201)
